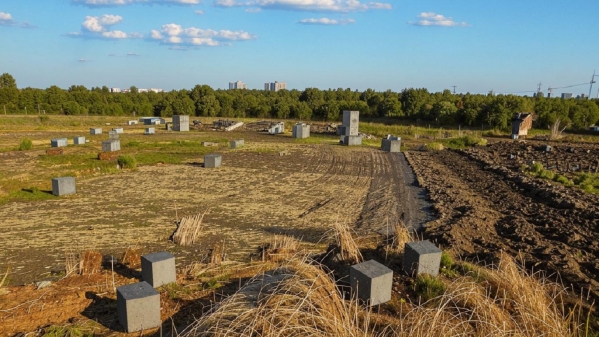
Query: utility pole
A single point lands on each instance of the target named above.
(592, 81)
(25, 110)
(38, 108)
(454, 86)
(5, 109)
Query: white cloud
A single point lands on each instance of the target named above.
(199, 12)
(99, 27)
(434, 19)
(174, 34)
(326, 21)
(6, 19)
(342, 6)
(253, 10)
(114, 3)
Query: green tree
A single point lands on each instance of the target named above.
(7, 81)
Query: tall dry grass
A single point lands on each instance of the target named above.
(188, 229)
(280, 248)
(343, 241)
(296, 299)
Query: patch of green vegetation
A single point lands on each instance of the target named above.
(71, 330)
(30, 194)
(589, 182)
(465, 142)
(127, 161)
(434, 146)
(429, 287)
(26, 144)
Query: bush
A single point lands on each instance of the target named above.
(547, 174)
(434, 147)
(26, 144)
(429, 287)
(446, 260)
(127, 161)
(562, 179)
(536, 167)
(466, 141)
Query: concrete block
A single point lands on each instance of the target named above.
(63, 186)
(150, 131)
(158, 269)
(95, 131)
(371, 281)
(300, 130)
(138, 306)
(213, 160)
(341, 130)
(58, 142)
(235, 143)
(351, 120)
(78, 140)
(389, 145)
(118, 130)
(111, 145)
(113, 135)
(351, 140)
(132, 122)
(180, 123)
(421, 257)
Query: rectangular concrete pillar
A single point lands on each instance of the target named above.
(421, 257)
(150, 131)
(180, 123)
(111, 145)
(118, 130)
(78, 140)
(391, 145)
(95, 131)
(235, 143)
(158, 269)
(371, 281)
(351, 140)
(138, 306)
(58, 142)
(63, 186)
(301, 130)
(213, 160)
(351, 120)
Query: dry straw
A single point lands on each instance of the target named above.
(189, 229)
(343, 240)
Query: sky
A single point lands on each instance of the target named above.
(507, 46)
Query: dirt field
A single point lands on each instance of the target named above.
(486, 205)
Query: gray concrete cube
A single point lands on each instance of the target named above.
(95, 131)
(78, 140)
(138, 306)
(235, 143)
(58, 142)
(213, 160)
(63, 186)
(150, 131)
(158, 269)
(118, 130)
(351, 140)
(421, 257)
(111, 145)
(300, 130)
(390, 145)
(371, 281)
(180, 123)
(351, 120)
(113, 135)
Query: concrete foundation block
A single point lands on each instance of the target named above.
(180, 123)
(371, 281)
(150, 131)
(235, 143)
(213, 160)
(300, 130)
(58, 142)
(95, 131)
(390, 145)
(351, 120)
(63, 186)
(132, 122)
(158, 269)
(341, 130)
(351, 140)
(111, 145)
(138, 306)
(421, 257)
(118, 130)
(78, 140)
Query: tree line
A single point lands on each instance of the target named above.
(414, 104)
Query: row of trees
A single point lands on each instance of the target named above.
(441, 108)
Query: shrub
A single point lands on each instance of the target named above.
(547, 174)
(562, 179)
(26, 144)
(127, 161)
(536, 167)
(446, 260)
(434, 147)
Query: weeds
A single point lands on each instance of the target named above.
(429, 287)
(434, 146)
(127, 161)
(26, 144)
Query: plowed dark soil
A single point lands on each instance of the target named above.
(485, 204)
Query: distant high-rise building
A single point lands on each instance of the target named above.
(275, 86)
(566, 95)
(115, 90)
(237, 85)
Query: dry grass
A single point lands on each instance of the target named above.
(82, 263)
(4, 282)
(296, 299)
(218, 253)
(401, 236)
(280, 248)
(555, 132)
(188, 229)
(132, 257)
(502, 301)
(343, 241)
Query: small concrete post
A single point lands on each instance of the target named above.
(138, 306)
(63, 186)
(212, 160)
(421, 257)
(371, 282)
(158, 269)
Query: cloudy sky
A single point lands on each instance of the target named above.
(478, 46)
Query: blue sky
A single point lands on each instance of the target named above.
(478, 46)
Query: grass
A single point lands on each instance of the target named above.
(127, 161)
(434, 146)
(344, 243)
(85, 329)
(465, 142)
(588, 182)
(26, 144)
(428, 287)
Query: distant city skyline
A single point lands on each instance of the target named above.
(478, 47)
